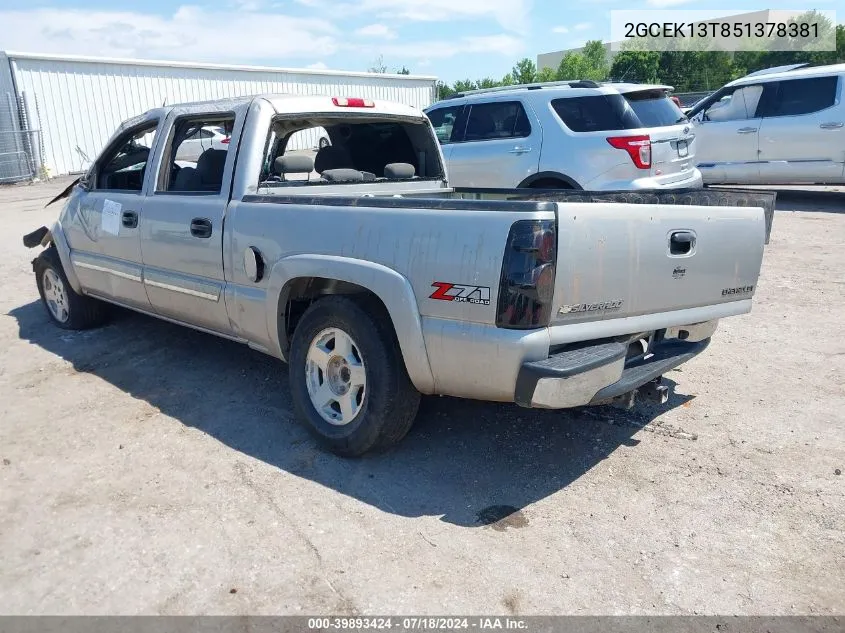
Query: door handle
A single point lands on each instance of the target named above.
(832, 125)
(681, 242)
(130, 219)
(746, 130)
(201, 227)
(519, 149)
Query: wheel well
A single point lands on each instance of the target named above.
(549, 183)
(549, 180)
(301, 292)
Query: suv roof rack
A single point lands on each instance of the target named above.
(579, 83)
(776, 69)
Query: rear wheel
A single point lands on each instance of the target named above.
(347, 377)
(65, 307)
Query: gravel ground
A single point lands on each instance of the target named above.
(147, 468)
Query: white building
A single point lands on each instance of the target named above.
(77, 102)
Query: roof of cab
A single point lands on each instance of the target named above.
(293, 104)
(797, 73)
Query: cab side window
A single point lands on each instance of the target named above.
(196, 155)
(802, 96)
(124, 166)
(500, 119)
(444, 121)
(738, 105)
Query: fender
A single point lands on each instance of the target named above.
(60, 242)
(543, 175)
(393, 289)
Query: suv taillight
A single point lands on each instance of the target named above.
(528, 275)
(638, 148)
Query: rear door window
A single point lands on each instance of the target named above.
(501, 119)
(801, 96)
(654, 108)
(596, 113)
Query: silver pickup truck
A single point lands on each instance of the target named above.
(377, 282)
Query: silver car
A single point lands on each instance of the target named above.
(567, 135)
(784, 125)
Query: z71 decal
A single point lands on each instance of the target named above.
(460, 293)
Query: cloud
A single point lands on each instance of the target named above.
(378, 31)
(512, 15)
(666, 3)
(583, 26)
(503, 44)
(560, 29)
(191, 33)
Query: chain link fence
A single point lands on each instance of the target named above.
(21, 149)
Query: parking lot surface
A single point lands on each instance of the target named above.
(150, 469)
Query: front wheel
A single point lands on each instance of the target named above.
(347, 377)
(65, 307)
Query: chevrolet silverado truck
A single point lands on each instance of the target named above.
(374, 280)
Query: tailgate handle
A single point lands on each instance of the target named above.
(681, 242)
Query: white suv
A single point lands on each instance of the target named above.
(783, 125)
(570, 135)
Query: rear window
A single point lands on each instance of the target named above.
(654, 109)
(607, 113)
(599, 113)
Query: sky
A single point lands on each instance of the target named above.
(450, 39)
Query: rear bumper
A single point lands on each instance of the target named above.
(597, 373)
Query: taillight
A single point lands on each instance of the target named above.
(526, 287)
(351, 102)
(226, 140)
(638, 148)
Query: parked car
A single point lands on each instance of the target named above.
(778, 127)
(199, 139)
(378, 282)
(567, 135)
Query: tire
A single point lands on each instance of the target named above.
(376, 414)
(66, 308)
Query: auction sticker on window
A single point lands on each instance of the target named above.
(111, 217)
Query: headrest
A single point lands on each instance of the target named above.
(343, 175)
(332, 157)
(293, 164)
(212, 160)
(399, 170)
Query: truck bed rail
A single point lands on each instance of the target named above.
(711, 196)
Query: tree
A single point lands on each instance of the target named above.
(378, 66)
(403, 71)
(595, 59)
(465, 85)
(525, 72)
(487, 82)
(571, 67)
(633, 65)
(547, 74)
(444, 90)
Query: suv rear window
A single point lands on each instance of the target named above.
(654, 108)
(599, 113)
(606, 113)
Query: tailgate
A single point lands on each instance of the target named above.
(672, 152)
(620, 260)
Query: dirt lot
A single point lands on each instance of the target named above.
(151, 469)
